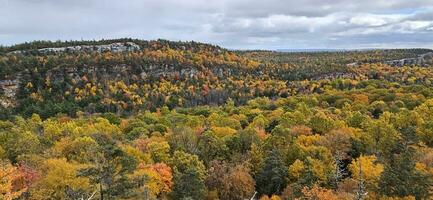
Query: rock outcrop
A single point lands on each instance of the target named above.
(114, 47)
(8, 91)
(421, 60)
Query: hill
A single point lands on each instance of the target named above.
(126, 75)
(134, 119)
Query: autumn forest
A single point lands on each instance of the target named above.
(136, 119)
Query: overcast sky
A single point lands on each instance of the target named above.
(236, 24)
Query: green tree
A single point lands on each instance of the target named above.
(381, 136)
(110, 167)
(271, 179)
(189, 174)
(211, 148)
(400, 178)
(188, 185)
(17, 139)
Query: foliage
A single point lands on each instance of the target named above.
(186, 120)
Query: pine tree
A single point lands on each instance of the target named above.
(271, 179)
(400, 178)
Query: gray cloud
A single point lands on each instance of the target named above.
(270, 24)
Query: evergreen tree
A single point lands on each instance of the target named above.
(271, 179)
(400, 178)
(188, 185)
(189, 174)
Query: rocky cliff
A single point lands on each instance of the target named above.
(421, 60)
(8, 91)
(114, 47)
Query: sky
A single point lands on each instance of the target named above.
(234, 24)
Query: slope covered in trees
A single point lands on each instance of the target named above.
(164, 73)
(185, 120)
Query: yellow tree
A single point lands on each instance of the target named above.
(318, 193)
(371, 170)
(9, 175)
(60, 178)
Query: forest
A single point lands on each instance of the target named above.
(191, 121)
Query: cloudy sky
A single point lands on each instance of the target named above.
(236, 24)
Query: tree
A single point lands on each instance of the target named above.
(166, 176)
(400, 178)
(241, 143)
(189, 174)
(183, 139)
(273, 197)
(361, 193)
(82, 149)
(60, 179)
(255, 159)
(188, 185)
(381, 136)
(110, 167)
(151, 181)
(10, 177)
(338, 142)
(212, 147)
(316, 172)
(230, 182)
(241, 184)
(318, 193)
(320, 123)
(271, 179)
(371, 170)
(425, 132)
(159, 151)
(18, 140)
(425, 111)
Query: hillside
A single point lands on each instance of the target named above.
(133, 119)
(124, 76)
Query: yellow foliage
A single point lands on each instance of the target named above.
(136, 153)
(296, 169)
(370, 170)
(159, 151)
(319, 169)
(52, 130)
(158, 178)
(29, 85)
(422, 167)
(308, 140)
(223, 131)
(58, 176)
(36, 96)
(8, 176)
(318, 193)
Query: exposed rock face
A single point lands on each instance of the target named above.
(9, 89)
(421, 60)
(114, 47)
